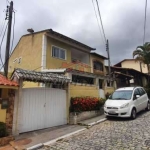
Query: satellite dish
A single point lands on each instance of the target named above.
(30, 30)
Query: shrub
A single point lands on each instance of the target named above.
(3, 131)
(79, 104)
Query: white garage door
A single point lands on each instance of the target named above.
(42, 108)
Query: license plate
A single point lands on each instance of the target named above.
(112, 112)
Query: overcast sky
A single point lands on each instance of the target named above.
(123, 22)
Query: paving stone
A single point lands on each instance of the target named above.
(114, 134)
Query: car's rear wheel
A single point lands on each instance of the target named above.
(148, 106)
(133, 113)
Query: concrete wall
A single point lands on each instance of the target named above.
(135, 65)
(83, 116)
(83, 90)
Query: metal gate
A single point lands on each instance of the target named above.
(42, 108)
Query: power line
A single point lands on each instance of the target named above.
(97, 20)
(145, 21)
(101, 20)
(13, 35)
(2, 25)
(1, 44)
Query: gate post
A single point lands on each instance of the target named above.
(17, 109)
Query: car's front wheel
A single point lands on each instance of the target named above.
(133, 113)
(148, 106)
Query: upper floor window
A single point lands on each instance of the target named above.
(58, 52)
(98, 65)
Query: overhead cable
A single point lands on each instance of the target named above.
(101, 20)
(1, 44)
(98, 21)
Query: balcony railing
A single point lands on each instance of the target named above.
(99, 72)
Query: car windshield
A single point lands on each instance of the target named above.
(121, 95)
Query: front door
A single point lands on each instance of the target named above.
(137, 100)
(143, 102)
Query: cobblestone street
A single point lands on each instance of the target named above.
(113, 134)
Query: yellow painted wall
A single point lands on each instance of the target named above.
(93, 57)
(3, 111)
(54, 63)
(30, 84)
(82, 90)
(30, 49)
(109, 90)
(2, 115)
(134, 65)
(51, 62)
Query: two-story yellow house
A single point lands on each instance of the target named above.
(134, 64)
(50, 51)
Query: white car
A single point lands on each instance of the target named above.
(126, 102)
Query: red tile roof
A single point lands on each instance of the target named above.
(7, 82)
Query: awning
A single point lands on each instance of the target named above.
(43, 77)
(4, 82)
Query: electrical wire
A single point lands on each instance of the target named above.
(101, 20)
(2, 28)
(13, 35)
(2, 25)
(97, 21)
(1, 45)
(145, 21)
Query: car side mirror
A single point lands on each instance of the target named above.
(137, 96)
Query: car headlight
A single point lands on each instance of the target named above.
(124, 106)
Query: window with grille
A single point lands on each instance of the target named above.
(58, 52)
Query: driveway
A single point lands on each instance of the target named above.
(113, 134)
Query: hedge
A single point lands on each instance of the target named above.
(79, 104)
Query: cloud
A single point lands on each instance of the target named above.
(123, 22)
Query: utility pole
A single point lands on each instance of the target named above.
(10, 11)
(107, 49)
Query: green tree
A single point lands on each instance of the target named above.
(142, 54)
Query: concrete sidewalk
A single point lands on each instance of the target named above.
(32, 140)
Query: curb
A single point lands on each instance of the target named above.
(35, 147)
(62, 137)
(96, 122)
(93, 123)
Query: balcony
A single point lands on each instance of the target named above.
(98, 72)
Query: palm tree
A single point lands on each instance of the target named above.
(142, 54)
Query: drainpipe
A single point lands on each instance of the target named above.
(43, 58)
(44, 48)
